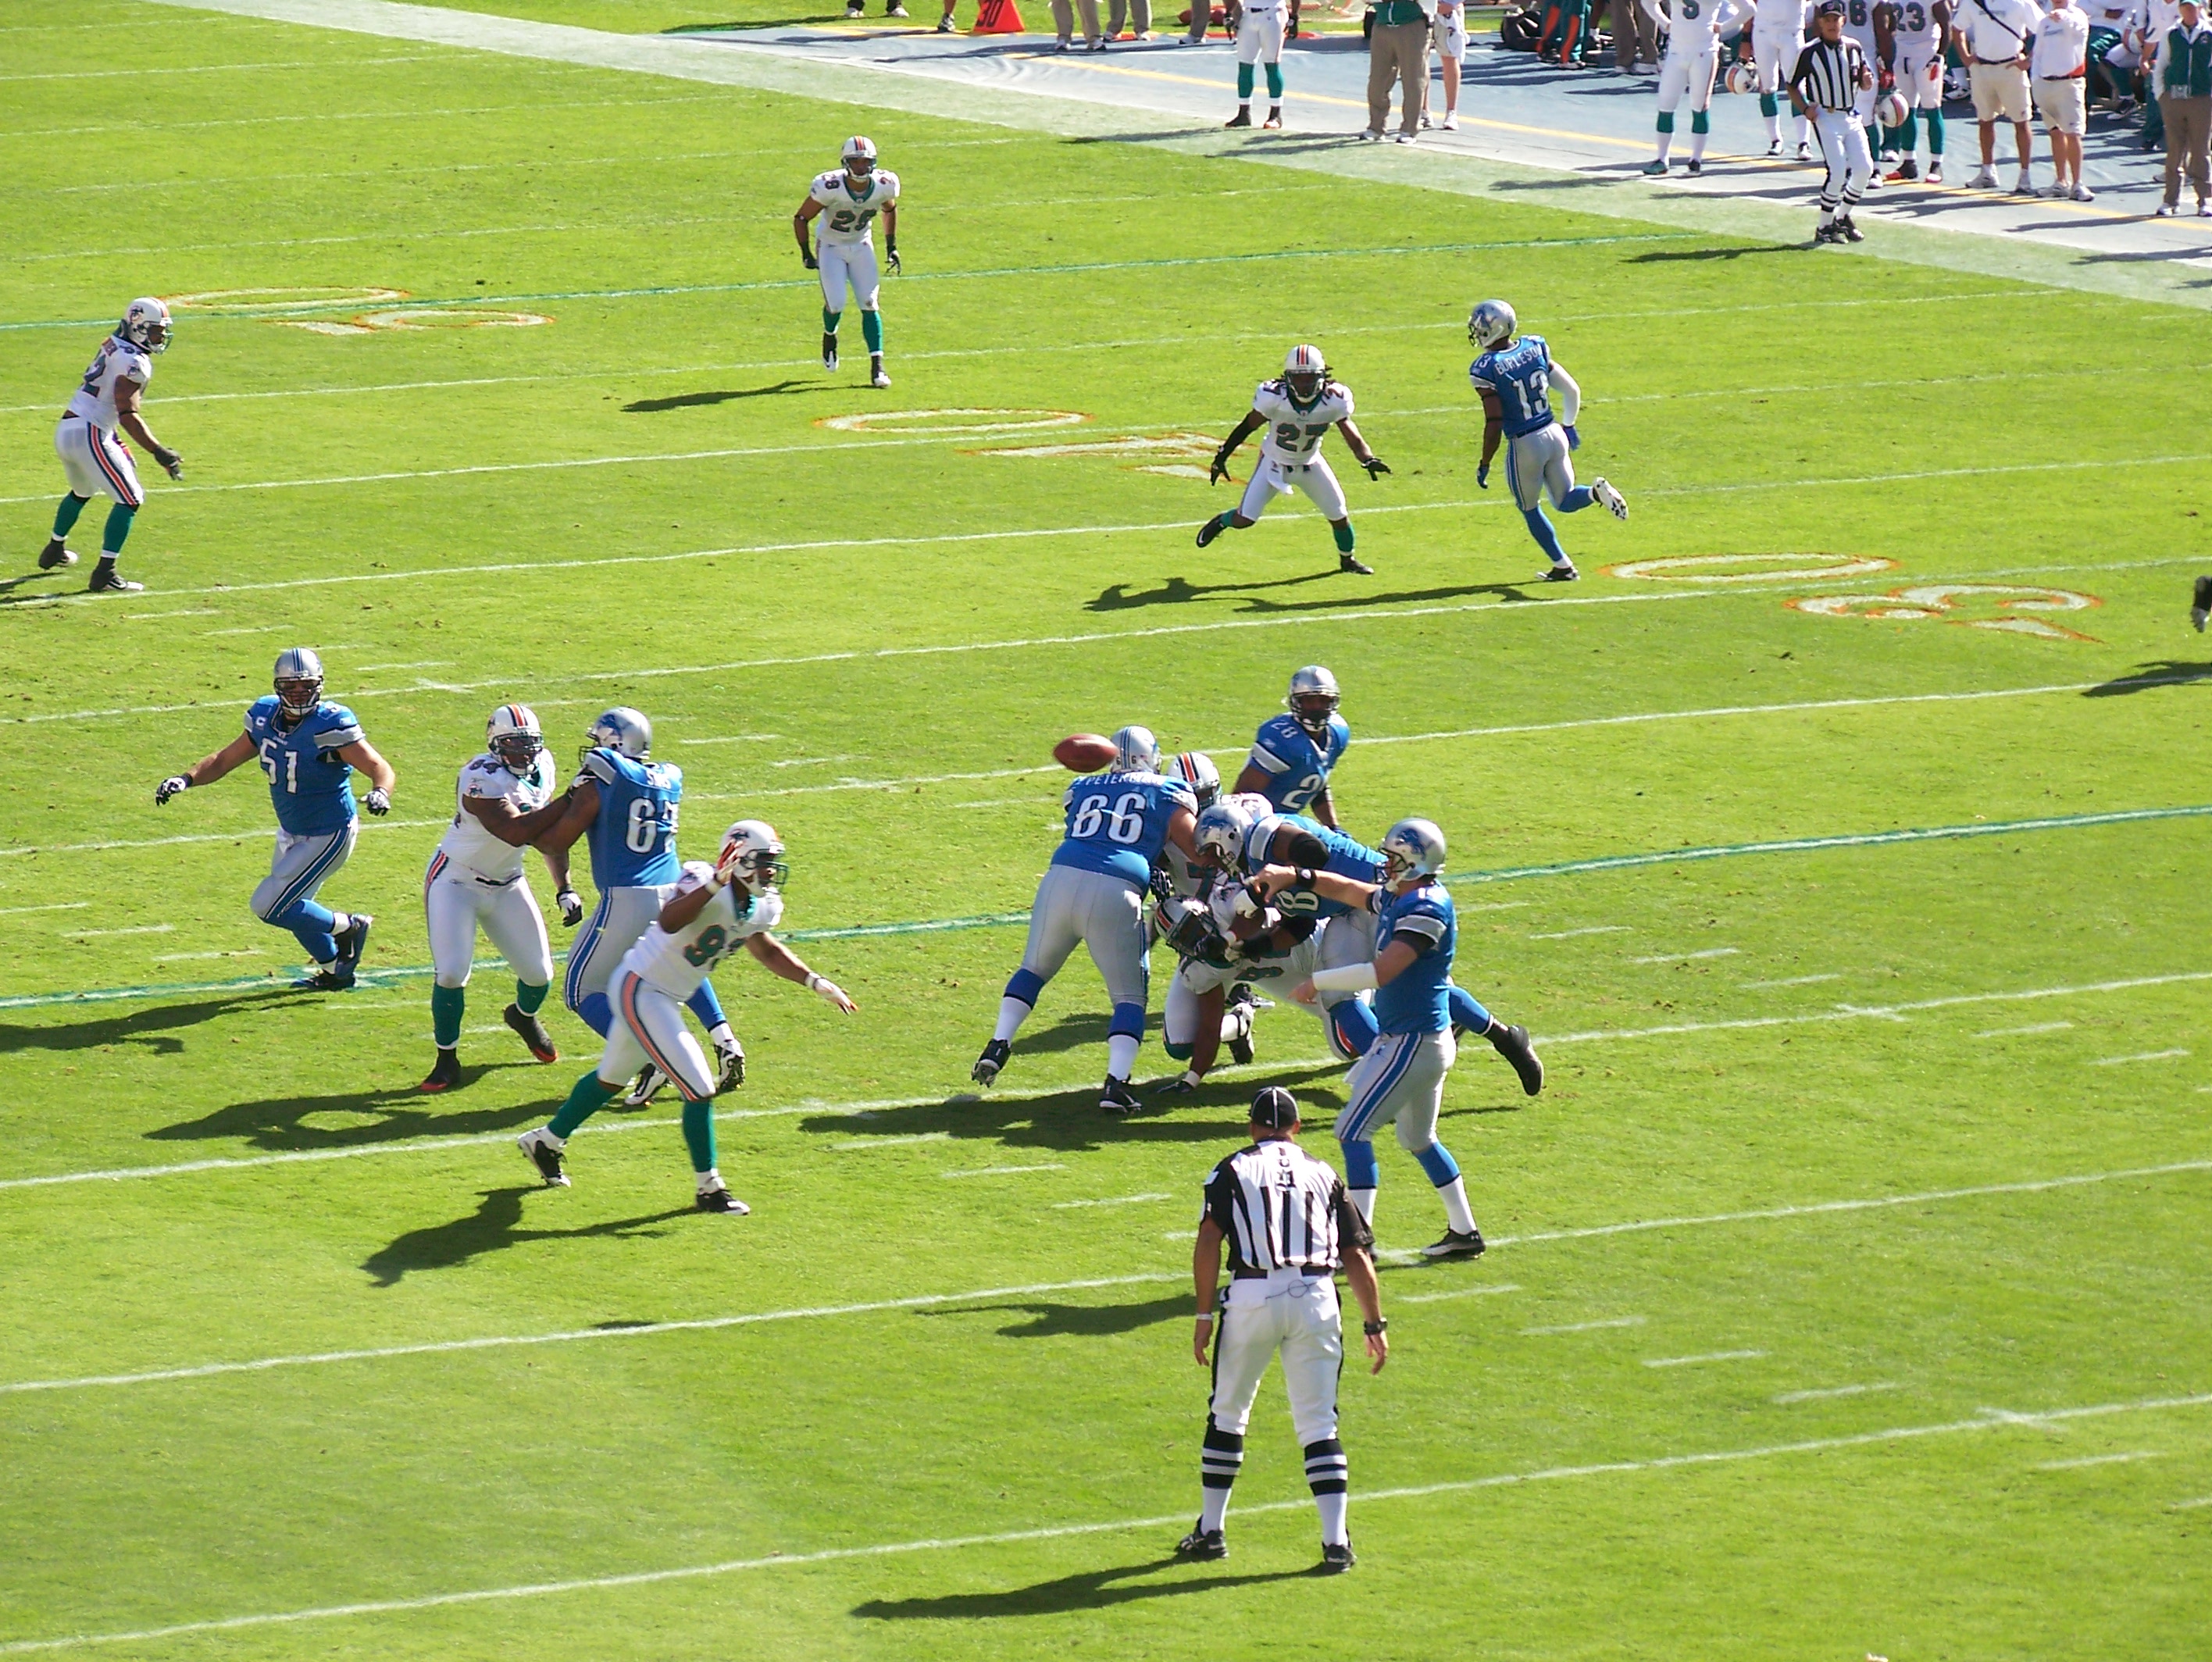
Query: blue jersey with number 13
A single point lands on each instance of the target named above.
(1520, 376)
(1117, 824)
(634, 839)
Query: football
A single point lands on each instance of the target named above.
(1083, 753)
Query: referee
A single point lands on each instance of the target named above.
(1290, 1227)
(1831, 73)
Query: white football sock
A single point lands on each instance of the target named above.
(1364, 1200)
(1012, 1012)
(1332, 1507)
(722, 1036)
(1457, 1210)
(1212, 1508)
(710, 1179)
(1121, 1053)
(341, 922)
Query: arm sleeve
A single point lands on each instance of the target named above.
(698, 874)
(1220, 1200)
(597, 764)
(1351, 1229)
(1307, 849)
(1571, 394)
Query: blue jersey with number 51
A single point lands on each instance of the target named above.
(1520, 376)
(1117, 824)
(307, 778)
(634, 839)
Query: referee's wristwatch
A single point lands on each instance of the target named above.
(1375, 1326)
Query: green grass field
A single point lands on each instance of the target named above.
(949, 1410)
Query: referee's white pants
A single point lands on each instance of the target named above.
(456, 902)
(1400, 1079)
(849, 265)
(1075, 907)
(1690, 76)
(1287, 1315)
(1272, 478)
(1851, 164)
(649, 1027)
(98, 463)
(1259, 36)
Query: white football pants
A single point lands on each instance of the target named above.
(1179, 1021)
(649, 1027)
(1289, 1314)
(1688, 75)
(1259, 36)
(98, 463)
(1076, 907)
(849, 265)
(1272, 478)
(456, 902)
(1920, 76)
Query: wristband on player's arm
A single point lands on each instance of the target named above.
(1380, 1325)
(1351, 978)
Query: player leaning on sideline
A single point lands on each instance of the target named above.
(98, 463)
(1778, 34)
(1832, 72)
(1293, 755)
(1289, 1227)
(1515, 380)
(710, 911)
(308, 749)
(1402, 1077)
(1298, 412)
(1693, 59)
(1094, 893)
(1259, 40)
(847, 200)
(476, 878)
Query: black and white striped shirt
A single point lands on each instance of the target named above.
(1281, 1209)
(1827, 74)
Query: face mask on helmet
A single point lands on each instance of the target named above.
(298, 696)
(518, 750)
(1188, 928)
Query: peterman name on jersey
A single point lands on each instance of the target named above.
(470, 843)
(847, 217)
(633, 841)
(1417, 999)
(1520, 376)
(118, 360)
(675, 964)
(1117, 824)
(307, 778)
(1295, 431)
(1297, 765)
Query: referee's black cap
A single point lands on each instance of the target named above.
(1275, 1108)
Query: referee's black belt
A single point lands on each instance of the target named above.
(1307, 1271)
(1998, 63)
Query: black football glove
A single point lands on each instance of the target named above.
(1375, 466)
(176, 782)
(378, 803)
(572, 906)
(890, 257)
(1181, 1087)
(172, 463)
(812, 263)
(1220, 470)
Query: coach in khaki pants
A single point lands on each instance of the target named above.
(2184, 97)
(1398, 50)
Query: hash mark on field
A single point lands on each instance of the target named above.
(1004, 1171)
(733, 738)
(2098, 1459)
(1794, 980)
(1118, 1200)
(58, 905)
(1494, 906)
(1595, 929)
(426, 664)
(1684, 957)
(257, 629)
(1833, 1390)
(1710, 1356)
(2189, 1505)
(193, 957)
(814, 762)
(1460, 1293)
(1583, 1326)
(140, 929)
(891, 1142)
(2146, 1056)
(1004, 802)
(2022, 1033)
(150, 617)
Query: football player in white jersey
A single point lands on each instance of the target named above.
(1298, 412)
(1777, 35)
(98, 463)
(1693, 58)
(1226, 941)
(847, 200)
(476, 878)
(713, 910)
(1259, 40)
(1917, 31)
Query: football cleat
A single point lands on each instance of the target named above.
(730, 1070)
(1566, 573)
(853, 10)
(1907, 170)
(944, 25)
(336, 976)
(1804, 151)
(1274, 118)
(1202, 1546)
(1613, 502)
(880, 376)
(1240, 1042)
(1514, 1044)
(2200, 603)
(1774, 146)
(720, 1199)
(445, 1073)
(830, 353)
(1115, 1097)
(1351, 564)
(1336, 1560)
(105, 581)
(644, 1088)
(1655, 169)
(543, 1152)
(1209, 531)
(55, 555)
(1851, 233)
(1697, 168)
(992, 1058)
(1242, 118)
(353, 941)
(531, 1031)
(1457, 1245)
(1935, 173)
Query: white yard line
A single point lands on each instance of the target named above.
(2146, 1056)
(1794, 980)
(895, 1142)
(140, 929)
(1570, 934)
(1684, 957)
(2190, 1506)
(1582, 1326)
(1699, 1361)
(1119, 1200)
(1830, 1392)
(1004, 1171)
(1889, 1436)
(2098, 1459)
(1459, 1292)
(58, 905)
(2022, 1033)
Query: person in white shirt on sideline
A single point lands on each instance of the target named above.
(1993, 38)
(2058, 65)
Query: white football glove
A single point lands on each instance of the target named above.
(572, 906)
(378, 803)
(176, 782)
(830, 992)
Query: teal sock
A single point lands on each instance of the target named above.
(1699, 123)
(1225, 520)
(1274, 83)
(591, 1094)
(1769, 105)
(65, 515)
(1908, 135)
(871, 331)
(117, 528)
(446, 1004)
(1343, 537)
(831, 321)
(699, 1133)
(1935, 135)
(528, 998)
(1666, 121)
(1244, 82)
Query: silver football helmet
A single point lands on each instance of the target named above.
(1412, 848)
(514, 736)
(1313, 698)
(146, 325)
(299, 680)
(1136, 751)
(1221, 833)
(752, 855)
(623, 731)
(1490, 323)
(1195, 769)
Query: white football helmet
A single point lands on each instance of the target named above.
(146, 325)
(1891, 110)
(1305, 373)
(859, 156)
(1313, 698)
(752, 855)
(1743, 78)
(1412, 848)
(514, 736)
(1221, 833)
(1195, 769)
(299, 679)
(623, 731)
(1492, 324)
(1136, 751)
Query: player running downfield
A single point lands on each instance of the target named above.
(1693, 59)
(1514, 379)
(1298, 412)
(711, 910)
(96, 462)
(847, 200)
(308, 749)
(1093, 894)
(1293, 755)
(475, 880)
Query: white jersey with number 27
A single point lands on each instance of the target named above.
(1295, 431)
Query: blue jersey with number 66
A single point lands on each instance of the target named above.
(634, 839)
(1117, 824)
(1520, 376)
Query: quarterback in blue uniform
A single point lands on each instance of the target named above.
(1515, 380)
(308, 748)
(1093, 894)
(1292, 756)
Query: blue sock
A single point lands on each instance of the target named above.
(597, 1011)
(1466, 1012)
(1361, 1170)
(1576, 499)
(1352, 1027)
(310, 924)
(1546, 538)
(1435, 1160)
(65, 515)
(706, 1006)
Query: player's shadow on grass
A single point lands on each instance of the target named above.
(691, 400)
(151, 1025)
(495, 1226)
(1180, 591)
(1668, 256)
(1092, 1589)
(1050, 1321)
(1508, 591)
(281, 1124)
(2166, 673)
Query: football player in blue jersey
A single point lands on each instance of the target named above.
(1093, 894)
(1292, 756)
(308, 748)
(1515, 380)
(1402, 1077)
(626, 803)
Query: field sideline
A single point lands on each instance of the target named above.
(1845, 1296)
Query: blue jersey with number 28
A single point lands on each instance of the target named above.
(307, 778)
(1520, 376)
(1117, 824)
(1297, 765)
(634, 839)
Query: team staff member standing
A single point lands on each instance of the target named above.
(2184, 92)
(1289, 1226)
(1993, 38)
(2059, 62)
(1831, 73)
(1398, 50)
